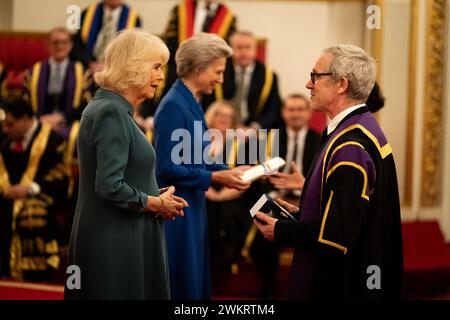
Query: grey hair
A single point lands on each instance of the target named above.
(354, 64)
(199, 51)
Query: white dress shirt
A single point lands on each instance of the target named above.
(57, 75)
(337, 119)
(30, 133)
(201, 13)
(248, 72)
(298, 158)
(110, 23)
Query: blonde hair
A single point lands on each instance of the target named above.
(199, 51)
(214, 109)
(129, 58)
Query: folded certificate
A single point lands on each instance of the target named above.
(269, 206)
(269, 167)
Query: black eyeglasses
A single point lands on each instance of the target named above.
(315, 75)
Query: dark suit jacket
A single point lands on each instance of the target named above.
(269, 115)
(312, 144)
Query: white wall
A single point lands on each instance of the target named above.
(296, 31)
(394, 81)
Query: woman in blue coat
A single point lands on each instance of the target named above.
(183, 161)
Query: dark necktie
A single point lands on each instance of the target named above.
(290, 193)
(294, 154)
(324, 137)
(55, 85)
(239, 96)
(208, 18)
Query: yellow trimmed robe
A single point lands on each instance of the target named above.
(28, 228)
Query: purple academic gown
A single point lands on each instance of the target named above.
(341, 236)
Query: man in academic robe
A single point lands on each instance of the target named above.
(298, 145)
(251, 85)
(99, 22)
(188, 18)
(58, 88)
(33, 184)
(348, 239)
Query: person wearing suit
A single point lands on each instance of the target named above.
(191, 169)
(33, 187)
(298, 144)
(251, 85)
(99, 22)
(188, 18)
(117, 238)
(58, 87)
(348, 237)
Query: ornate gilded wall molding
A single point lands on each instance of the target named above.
(434, 102)
(410, 129)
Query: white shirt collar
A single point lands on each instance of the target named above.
(114, 12)
(63, 64)
(201, 13)
(29, 134)
(337, 119)
(213, 6)
(248, 70)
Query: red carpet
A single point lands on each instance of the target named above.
(11, 290)
(427, 260)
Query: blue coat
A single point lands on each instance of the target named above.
(187, 238)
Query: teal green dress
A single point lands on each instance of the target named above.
(120, 250)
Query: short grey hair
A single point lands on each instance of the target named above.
(199, 51)
(354, 64)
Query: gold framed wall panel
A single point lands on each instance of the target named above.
(411, 115)
(431, 188)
